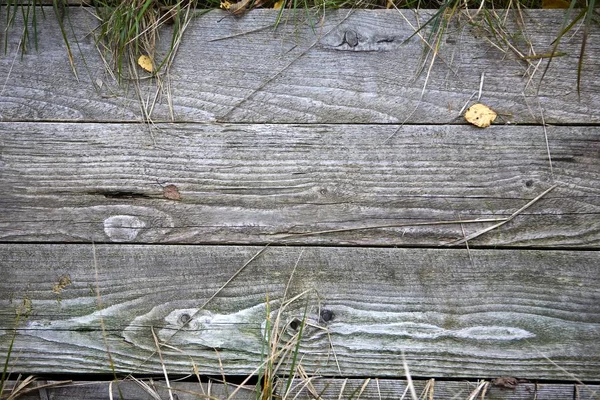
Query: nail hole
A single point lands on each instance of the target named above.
(529, 183)
(184, 318)
(295, 324)
(327, 315)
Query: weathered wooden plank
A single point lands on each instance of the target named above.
(587, 392)
(242, 70)
(383, 389)
(262, 183)
(128, 389)
(380, 389)
(481, 314)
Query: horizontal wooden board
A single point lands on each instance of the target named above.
(254, 184)
(326, 389)
(500, 388)
(129, 389)
(452, 312)
(350, 67)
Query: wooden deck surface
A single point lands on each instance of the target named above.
(288, 173)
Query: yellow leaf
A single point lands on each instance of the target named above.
(551, 4)
(278, 4)
(146, 63)
(225, 5)
(480, 115)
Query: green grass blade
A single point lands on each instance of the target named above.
(8, 353)
(296, 351)
(35, 32)
(586, 30)
(264, 349)
(566, 27)
(434, 19)
(59, 8)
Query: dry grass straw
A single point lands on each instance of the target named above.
(129, 30)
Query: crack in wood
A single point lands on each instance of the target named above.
(119, 194)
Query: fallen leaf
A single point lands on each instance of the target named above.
(171, 192)
(278, 5)
(555, 4)
(507, 382)
(62, 283)
(480, 115)
(146, 63)
(240, 7)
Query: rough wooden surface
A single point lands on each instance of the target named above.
(261, 183)
(242, 70)
(219, 179)
(330, 389)
(320, 388)
(130, 390)
(454, 313)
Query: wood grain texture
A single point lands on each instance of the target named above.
(384, 389)
(454, 313)
(326, 389)
(129, 390)
(254, 184)
(351, 67)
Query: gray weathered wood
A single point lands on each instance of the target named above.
(242, 70)
(481, 314)
(383, 389)
(261, 183)
(587, 392)
(129, 390)
(379, 389)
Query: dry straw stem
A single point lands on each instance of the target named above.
(215, 294)
(499, 223)
(162, 363)
(268, 80)
(409, 383)
(368, 227)
(21, 388)
(102, 326)
(480, 390)
(519, 211)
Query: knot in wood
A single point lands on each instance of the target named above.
(327, 315)
(351, 38)
(184, 319)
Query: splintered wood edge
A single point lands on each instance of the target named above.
(477, 313)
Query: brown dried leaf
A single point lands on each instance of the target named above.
(171, 192)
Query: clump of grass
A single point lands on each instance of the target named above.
(29, 13)
(129, 29)
(486, 17)
(19, 387)
(588, 14)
